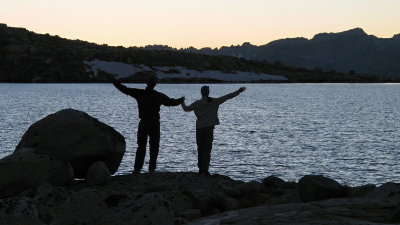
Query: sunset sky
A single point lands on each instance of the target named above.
(199, 23)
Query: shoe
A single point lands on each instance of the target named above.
(136, 172)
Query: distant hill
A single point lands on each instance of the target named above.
(348, 51)
(26, 56)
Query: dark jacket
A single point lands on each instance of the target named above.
(149, 101)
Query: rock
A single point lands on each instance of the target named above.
(44, 189)
(273, 182)
(244, 189)
(114, 199)
(220, 203)
(49, 201)
(233, 191)
(354, 211)
(317, 187)
(98, 174)
(146, 209)
(245, 203)
(386, 190)
(179, 202)
(75, 137)
(229, 203)
(360, 191)
(251, 187)
(211, 200)
(256, 198)
(25, 170)
(395, 216)
(125, 200)
(86, 207)
(202, 199)
(18, 211)
(190, 214)
(92, 206)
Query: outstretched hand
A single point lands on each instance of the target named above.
(242, 89)
(181, 99)
(114, 80)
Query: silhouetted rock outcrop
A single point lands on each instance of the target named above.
(77, 138)
(189, 198)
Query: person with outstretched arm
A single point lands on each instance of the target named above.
(149, 102)
(206, 111)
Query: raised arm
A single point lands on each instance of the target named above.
(187, 108)
(128, 91)
(222, 99)
(167, 101)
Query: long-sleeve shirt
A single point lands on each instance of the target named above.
(149, 100)
(207, 111)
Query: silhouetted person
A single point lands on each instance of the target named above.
(206, 111)
(149, 102)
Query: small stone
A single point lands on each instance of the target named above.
(98, 174)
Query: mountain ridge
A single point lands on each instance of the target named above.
(351, 50)
(26, 56)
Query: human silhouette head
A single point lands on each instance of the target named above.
(205, 91)
(152, 82)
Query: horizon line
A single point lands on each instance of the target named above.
(197, 48)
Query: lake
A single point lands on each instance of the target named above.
(348, 132)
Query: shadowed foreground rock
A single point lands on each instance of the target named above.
(25, 169)
(77, 138)
(317, 187)
(189, 198)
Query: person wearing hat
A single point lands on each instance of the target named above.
(206, 111)
(149, 103)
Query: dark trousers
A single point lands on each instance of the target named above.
(151, 129)
(204, 140)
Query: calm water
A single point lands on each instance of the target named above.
(349, 132)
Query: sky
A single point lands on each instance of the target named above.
(199, 23)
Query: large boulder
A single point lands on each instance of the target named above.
(75, 137)
(317, 187)
(26, 170)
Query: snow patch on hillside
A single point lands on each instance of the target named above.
(124, 70)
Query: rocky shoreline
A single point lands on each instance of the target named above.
(189, 198)
(61, 174)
